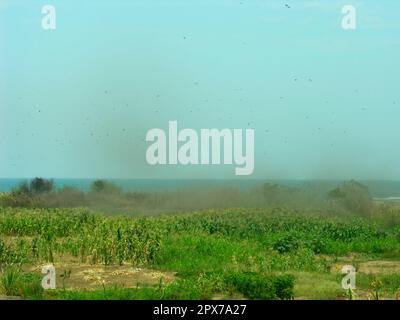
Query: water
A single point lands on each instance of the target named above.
(379, 189)
(145, 185)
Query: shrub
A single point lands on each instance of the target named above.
(354, 196)
(288, 243)
(40, 185)
(16, 199)
(31, 286)
(105, 187)
(318, 245)
(26, 195)
(257, 286)
(66, 197)
(276, 194)
(10, 281)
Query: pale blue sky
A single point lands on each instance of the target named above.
(78, 101)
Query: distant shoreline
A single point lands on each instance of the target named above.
(380, 190)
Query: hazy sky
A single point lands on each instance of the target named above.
(77, 101)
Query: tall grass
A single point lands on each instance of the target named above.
(10, 281)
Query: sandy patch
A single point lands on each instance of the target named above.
(84, 276)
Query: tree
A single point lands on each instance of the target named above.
(277, 194)
(40, 185)
(104, 186)
(354, 196)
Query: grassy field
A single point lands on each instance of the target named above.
(211, 254)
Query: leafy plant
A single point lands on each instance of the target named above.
(258, 286)
(10, 281)
(288, 243)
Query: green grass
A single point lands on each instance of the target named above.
(10, 280)
(389, 283)
(318, 286)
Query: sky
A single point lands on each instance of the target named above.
(77, 101)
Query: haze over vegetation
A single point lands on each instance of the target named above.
(350, 197)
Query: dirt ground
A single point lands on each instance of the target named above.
(73, 275)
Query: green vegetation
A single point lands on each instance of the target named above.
(292, 246)
(255, 286)
(354, 196)
(350, 198)
(239, 253)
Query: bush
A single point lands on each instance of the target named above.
(318, 245)
(31, 286)
(27, 195)
(257, 286)
(286, 244)
(277, 195)
(40, 185)
(10, 281)
(26, 285)
(354, 196)
(66, 197)
(105, 187)
(16, 199)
